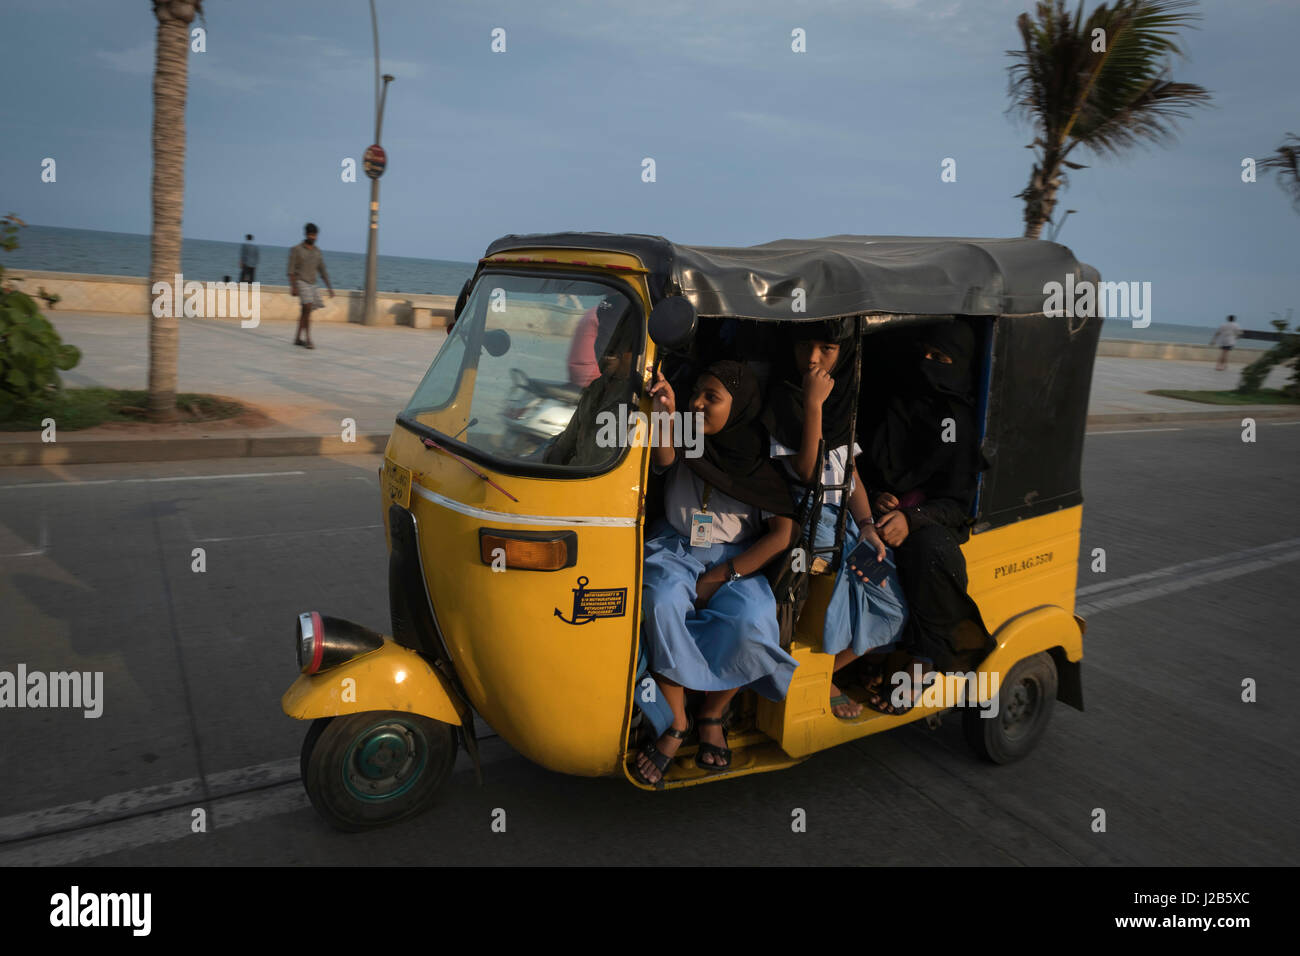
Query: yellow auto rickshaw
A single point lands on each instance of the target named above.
(516, 541)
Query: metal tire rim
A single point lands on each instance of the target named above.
(385, 760)
(1021, 708)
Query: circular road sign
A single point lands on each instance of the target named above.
(374, 161)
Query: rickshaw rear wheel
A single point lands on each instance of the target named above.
(375, 768)
(1025, 701)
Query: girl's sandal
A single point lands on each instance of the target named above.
(718, 753)
(657, 757)
(884, 704)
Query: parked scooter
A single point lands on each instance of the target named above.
(536, 411)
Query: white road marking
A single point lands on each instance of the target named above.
(164, 826)
(130, 481)
(22, 826)
(1133, 431)
(1164, 582)
(1212, 561)
(124, 821)
(290, 534)
(43, 543)
(1281, 423)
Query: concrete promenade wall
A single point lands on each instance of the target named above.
(129, 295)
(1125, 348)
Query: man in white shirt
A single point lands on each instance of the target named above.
(1226, 335)
(305, 263)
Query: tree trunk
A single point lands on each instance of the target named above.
(170, 80)
(1040, 195)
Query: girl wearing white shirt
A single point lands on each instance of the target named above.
(811, 402)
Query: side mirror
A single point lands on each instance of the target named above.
(672, 323)
(496, 342)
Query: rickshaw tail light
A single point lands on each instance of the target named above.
(547, 551)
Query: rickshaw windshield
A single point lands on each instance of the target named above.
(531, 370)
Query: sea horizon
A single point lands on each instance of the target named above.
(100, 252)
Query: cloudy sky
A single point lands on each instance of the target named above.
(751, 141)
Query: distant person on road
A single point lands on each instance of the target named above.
(304, 263)
(1226, 336)
(247, 259)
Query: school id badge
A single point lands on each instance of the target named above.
(701, 529)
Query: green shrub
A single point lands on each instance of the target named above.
(31, 351)
(1286, 353)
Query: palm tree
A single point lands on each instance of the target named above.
(170, 80)
(1287, 163)
(1104, 96)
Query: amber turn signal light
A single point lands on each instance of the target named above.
(527, 550)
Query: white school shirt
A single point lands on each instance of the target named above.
(732, 520)
(832, 474)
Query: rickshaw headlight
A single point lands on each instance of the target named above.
(325, 642)
(310, 630)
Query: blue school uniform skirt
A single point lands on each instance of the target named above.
(734, 642)
(860, 615)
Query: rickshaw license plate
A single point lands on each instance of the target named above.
(397, 484)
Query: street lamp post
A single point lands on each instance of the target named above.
(375, 161)
(1056, 230)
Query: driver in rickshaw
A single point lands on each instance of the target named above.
(618, 334)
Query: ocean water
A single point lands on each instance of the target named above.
(1173, 332)
(56, 249)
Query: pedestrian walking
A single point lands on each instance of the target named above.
(1226, 336)
(247, 259)
(304, 263)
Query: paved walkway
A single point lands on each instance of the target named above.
(368, 373)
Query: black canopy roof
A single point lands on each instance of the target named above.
(840, 275)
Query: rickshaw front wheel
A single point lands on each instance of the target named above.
(375, 768)
(1025, 701)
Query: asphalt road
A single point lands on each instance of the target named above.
(1201, 536)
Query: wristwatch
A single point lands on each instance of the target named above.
(732, 573)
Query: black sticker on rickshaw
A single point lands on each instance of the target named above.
(592, 603)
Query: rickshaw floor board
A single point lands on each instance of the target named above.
(757, 758)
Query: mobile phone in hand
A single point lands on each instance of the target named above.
(862, 560)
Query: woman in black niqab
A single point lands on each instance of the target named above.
(932, 483)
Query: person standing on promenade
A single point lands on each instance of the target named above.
(247, 259)
(304, 262)
(1226, 336)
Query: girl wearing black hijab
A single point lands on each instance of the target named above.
(708, 618)
(811, 401)
(921, 467)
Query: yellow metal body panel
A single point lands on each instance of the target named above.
(614, 263)
(1023, 578)
(390, 678)
(559, 693)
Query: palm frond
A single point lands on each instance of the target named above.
(1104, 101)
(1286, 160)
